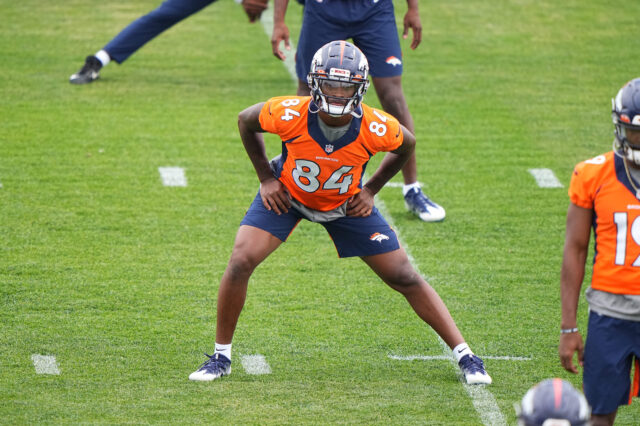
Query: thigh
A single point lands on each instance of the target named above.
(316, 31)
(607, 362)
(362, 236)
(182, 8)
(279, 226)
(378, 39)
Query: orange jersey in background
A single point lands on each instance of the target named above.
(318, 173)
(601, 184)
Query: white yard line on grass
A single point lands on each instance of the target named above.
(450, 357)
(483, 400)
(545, 178)
(255, 364)
(45, 364)
(172, 176)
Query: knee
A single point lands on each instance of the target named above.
(390, 94)
(402, 279)
(240, 267)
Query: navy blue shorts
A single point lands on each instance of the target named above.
(608, 354)
(352, 236)
(371, 25)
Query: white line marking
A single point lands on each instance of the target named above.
(255, 364)
(172, 176)
(394, 184)
(45, 364)
(545, 178)
(483, 400)
(449, 358)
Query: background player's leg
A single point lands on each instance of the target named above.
(145, 28)
(391, 96)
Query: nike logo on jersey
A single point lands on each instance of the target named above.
(392, 60)
(378, 237)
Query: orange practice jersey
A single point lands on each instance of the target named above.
(318, 173)
(601, 184)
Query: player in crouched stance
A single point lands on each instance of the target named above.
(328, 139)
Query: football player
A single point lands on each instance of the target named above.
(145, 28)
(327, 140)
(605, 195)
(372, 26)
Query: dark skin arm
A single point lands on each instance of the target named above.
(280, 29)
(412, 20)
(254, 8)
(273, 193)
(361, 204)
(576, 247)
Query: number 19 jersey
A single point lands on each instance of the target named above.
(602, 185)
(319, 173)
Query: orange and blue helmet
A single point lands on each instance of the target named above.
(338, 78)
(625, 112)
(553, 402)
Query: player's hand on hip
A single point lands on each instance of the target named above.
(254, 8)
(571, 343)
(361, 204)
(275, 196)
(412, 20)
(280, 33)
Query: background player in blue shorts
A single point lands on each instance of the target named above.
(327, 140)
(145, 28)
(372, 26)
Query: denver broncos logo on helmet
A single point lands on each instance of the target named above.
(378, 237)
(392, 60)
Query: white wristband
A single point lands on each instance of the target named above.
(568, 330)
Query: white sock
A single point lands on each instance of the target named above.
(461, 350)
(103, 57)
(407, 188)
(224, 350)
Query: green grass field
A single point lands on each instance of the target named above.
(116, 275)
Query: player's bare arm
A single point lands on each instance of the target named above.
(280, 29)
(254, 8)
(274, 195)
(412, 20)
(362, 203)
(573, 263)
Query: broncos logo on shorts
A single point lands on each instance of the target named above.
(378, 237)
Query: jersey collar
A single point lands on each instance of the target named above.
(316, 133)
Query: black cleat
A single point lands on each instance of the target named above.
(88, 73)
